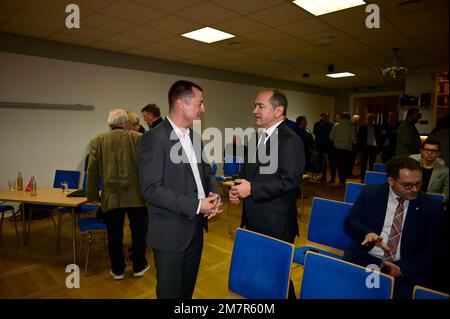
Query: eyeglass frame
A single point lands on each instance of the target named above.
(409, 187)
(430, 151)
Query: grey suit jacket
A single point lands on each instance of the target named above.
(170, 190)
(439, 180)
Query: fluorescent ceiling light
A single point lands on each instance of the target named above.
(319, 7)
(208, 35)
(340, 75)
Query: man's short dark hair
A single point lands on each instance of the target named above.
(345, 115)
(431, 141)
(279, 99)
(299, 119)
(181, 89)
(152, 109)
(395, 164)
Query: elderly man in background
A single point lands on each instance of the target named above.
(113, 164)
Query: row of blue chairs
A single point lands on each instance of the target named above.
(256, 274)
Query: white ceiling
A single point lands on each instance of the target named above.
(274, 38)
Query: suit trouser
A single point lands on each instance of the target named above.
(176, 272)
(344, 164)
(368, 154)
(115, 219)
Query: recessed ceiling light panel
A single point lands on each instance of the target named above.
(319, 7)
(208, 35)
(340, 75)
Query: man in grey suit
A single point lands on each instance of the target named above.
(180, 190)
(434, 175)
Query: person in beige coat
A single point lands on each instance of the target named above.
(113, 180)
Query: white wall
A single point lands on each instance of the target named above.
(420, 83)
(36, 142)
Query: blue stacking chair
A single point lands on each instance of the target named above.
(436, 196)
(375, 178)
(214, 168)
(326, 228)
(260, 266)
(325, 277)
(83, 209)
(352, 191)
(426, 293)
(89, 226)
(380, 168)
(232, 165)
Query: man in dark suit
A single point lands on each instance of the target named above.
(368, 144)
(268, 190)
(396, 227)
(180, 190)
(152, 115)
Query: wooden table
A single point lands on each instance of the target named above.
(47, 196)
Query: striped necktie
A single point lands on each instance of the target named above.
(396, 232)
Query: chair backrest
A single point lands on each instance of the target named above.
(326, 224)
(352, 191)
(378, 167)
(214, 168)
(230, 169)
(436, 196)
(72, 177)
(100, 184)
(260, 266)
(426, 293)
(375, 178)
(326, 277)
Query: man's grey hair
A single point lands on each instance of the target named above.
(117, 118)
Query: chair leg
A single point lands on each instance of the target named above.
(15, 225)
(1, 223)
(58, 234)
(87, 255)
(29, 228)
(81, 247)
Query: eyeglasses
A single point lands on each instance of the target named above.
(409, 187)
(429, 150)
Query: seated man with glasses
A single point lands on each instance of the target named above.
(434, 173)
(396, 227)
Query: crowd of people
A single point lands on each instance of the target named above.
(169, 203)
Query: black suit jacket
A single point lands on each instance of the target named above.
(271, 209)
(419, 236)
(362, 136)
(170, 190)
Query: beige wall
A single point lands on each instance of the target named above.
(38, 141)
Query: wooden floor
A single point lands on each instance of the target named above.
(39, 272)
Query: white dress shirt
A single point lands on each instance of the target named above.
(267, 132)
(390, 212)
(186, 143)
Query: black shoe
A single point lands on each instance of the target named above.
(142, 272)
